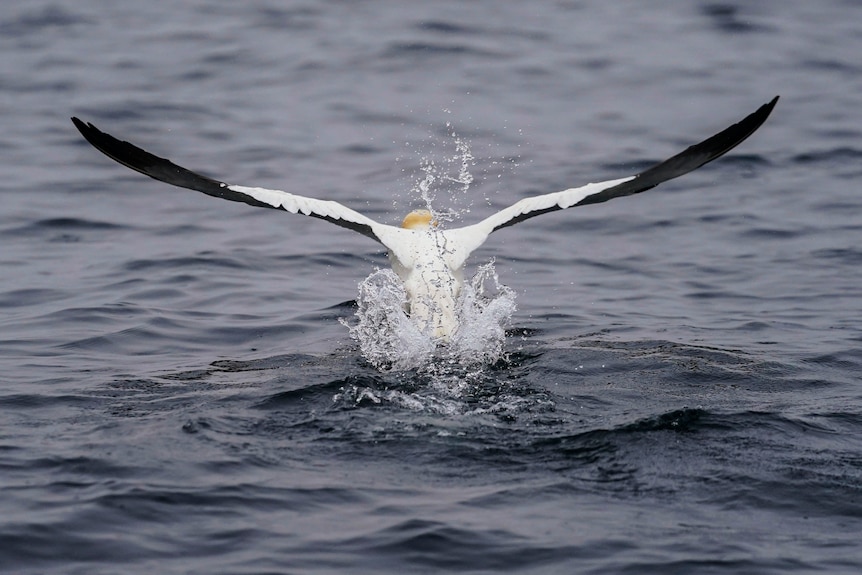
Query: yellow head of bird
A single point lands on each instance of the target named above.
(418, 220)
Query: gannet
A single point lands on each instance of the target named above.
(428, 259)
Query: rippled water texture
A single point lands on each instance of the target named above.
(678, 390)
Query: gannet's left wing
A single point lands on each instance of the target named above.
(166, 171)
(471, 237)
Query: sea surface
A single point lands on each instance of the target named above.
(680, 386)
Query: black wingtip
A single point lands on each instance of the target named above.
(689, 159)
(85, 129)
(166, 171)
(146, 163)
(762, 113)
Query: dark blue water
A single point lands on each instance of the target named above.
(681, 390)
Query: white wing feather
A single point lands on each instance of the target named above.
(469, 238)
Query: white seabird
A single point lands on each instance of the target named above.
(429, 260)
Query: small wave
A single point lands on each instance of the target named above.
(727, 19)
(61, 229)
(832, 156)
(39, 20)
(413, 50)
(184, 263)
(30, 296)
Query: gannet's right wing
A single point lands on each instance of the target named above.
(166, 171)
(469, 238)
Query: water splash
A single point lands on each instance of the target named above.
(446, 181)
(384, 331)
(485, 308)
(390, 340)
(386, 335)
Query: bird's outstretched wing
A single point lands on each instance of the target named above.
(166, 171)
(471, 237)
